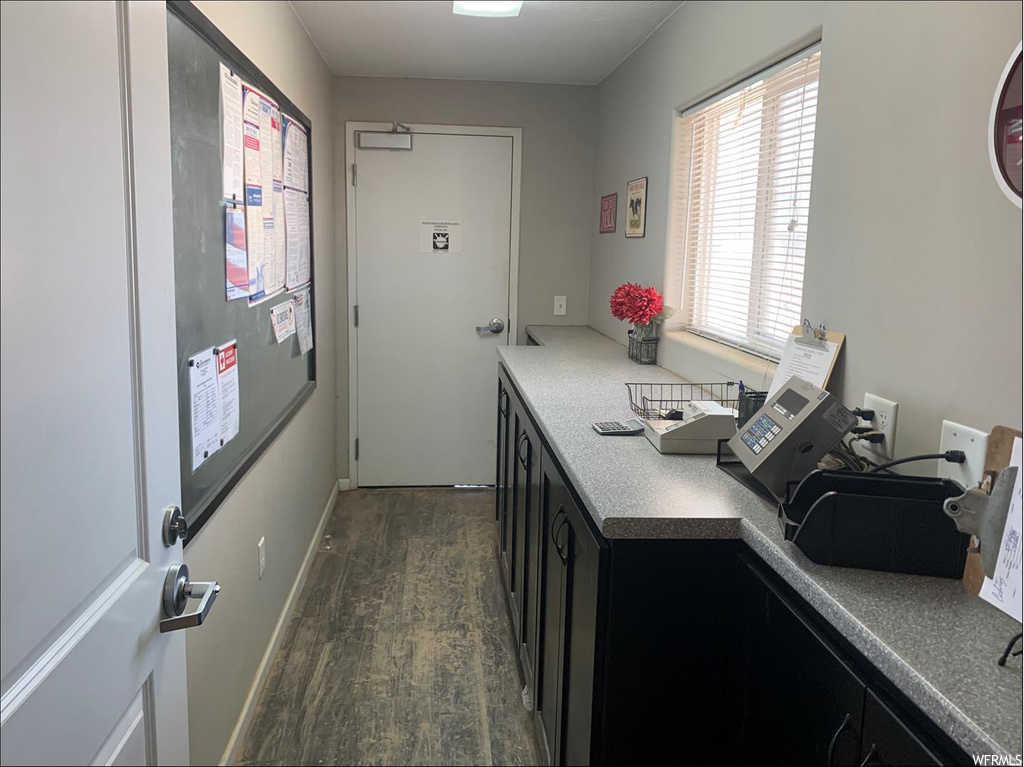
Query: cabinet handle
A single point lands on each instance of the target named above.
(503, 403)
(560, 543)
(523, 440)
(872, 756)
(555, 526)
(835, 737)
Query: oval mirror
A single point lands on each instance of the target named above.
(1006, 136)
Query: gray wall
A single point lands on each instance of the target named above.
(283, 495)
(913, 251)
(558, 162)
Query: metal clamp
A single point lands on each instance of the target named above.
(984, 516)
(178, 589)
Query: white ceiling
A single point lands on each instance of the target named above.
(577, 43)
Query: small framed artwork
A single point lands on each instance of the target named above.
(609, 212)
(636, 207)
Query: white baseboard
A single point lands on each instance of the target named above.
(242, 725)
(344, 484)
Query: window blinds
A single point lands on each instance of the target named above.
(741, 198)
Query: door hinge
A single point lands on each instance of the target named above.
(355, 315)
(357, 448)
(355, 177)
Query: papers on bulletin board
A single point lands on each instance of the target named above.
(303, 320)
(1004, 590)
(231, 125)
(280, 244)
(809, 358)
(236, 267)
(205, 403)
(296, 156)
(254, 240)
(266, 274)
(296, 217)
(227, 389)
(213, 387)
(282, 317)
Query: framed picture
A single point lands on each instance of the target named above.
(636, 207)
(609, 213)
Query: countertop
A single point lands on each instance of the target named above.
(935, 642)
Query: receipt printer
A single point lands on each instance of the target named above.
(787, 437)
(698, 431)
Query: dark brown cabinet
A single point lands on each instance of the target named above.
(551, 611)
(887, 740)
(572, 564)
(525, 534)
(501, 479)
(819, 719)
(660, 651)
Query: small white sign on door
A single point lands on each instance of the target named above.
(441, 236)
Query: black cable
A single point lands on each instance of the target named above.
(1006, 653)
(951, 456)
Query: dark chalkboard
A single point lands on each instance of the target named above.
(274, 379)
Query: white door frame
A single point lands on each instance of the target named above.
(516, 134)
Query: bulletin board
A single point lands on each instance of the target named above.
(274, 379)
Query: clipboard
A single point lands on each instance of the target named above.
(997, 458)
(817, 339)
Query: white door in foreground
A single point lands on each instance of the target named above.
(89, 405)
(433, 243)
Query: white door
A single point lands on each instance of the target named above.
(89, 408)
(434, 232)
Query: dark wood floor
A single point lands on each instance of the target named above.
(400, 649)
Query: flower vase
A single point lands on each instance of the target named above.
(643, 344)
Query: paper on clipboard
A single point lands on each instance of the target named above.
(811, 360)
(1005, 590)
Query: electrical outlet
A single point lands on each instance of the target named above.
(885, 422)
(262, 548)
(974, 443)
(559, 306)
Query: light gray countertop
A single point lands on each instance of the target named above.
(937, 643)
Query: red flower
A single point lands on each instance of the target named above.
(637, 304)
(622, 301)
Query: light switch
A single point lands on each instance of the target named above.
(559, 306)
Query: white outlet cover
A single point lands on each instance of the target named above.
(560, 305)
(974, 443)
(884, 421)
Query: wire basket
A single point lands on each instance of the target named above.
(647, 400)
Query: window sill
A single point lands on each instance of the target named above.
(702, 360)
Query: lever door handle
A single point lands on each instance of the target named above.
(178, 590)
(495, 326)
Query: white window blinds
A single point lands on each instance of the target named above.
(739, 221)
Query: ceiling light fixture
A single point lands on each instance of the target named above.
(491, 9)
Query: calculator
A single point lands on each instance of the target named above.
(630, 428)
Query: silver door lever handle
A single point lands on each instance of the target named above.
(178, 589)
(496, 326)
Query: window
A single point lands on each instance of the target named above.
(742, 193)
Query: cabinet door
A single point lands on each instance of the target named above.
(533, 532)
(582, 635)
(527, 489)
(551, 610)
(801, 703)
(888, 741)
(508, 526)
(500, 472)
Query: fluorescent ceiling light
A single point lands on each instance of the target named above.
(488, 8)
